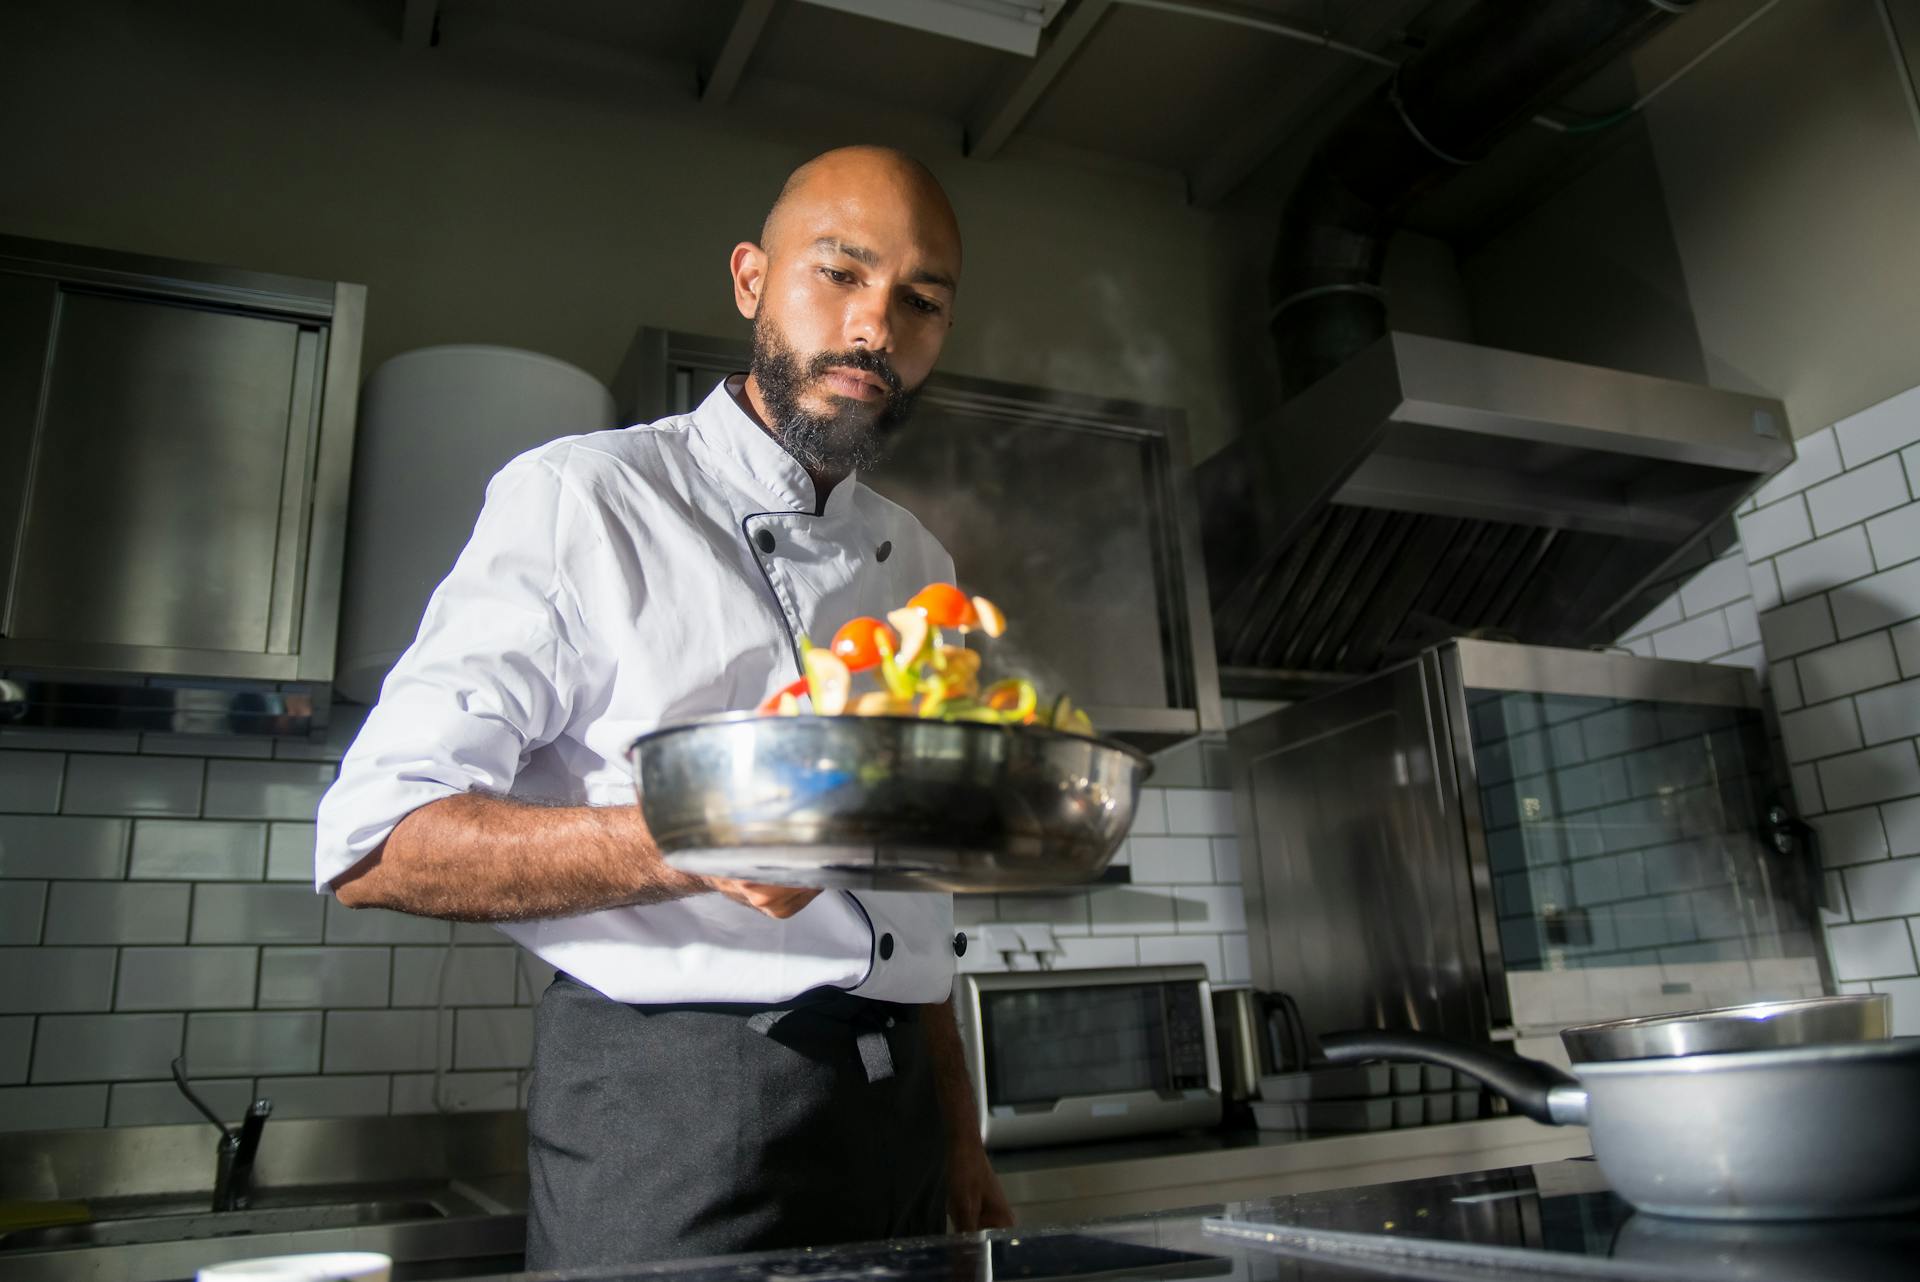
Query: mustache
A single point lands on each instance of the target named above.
(861, 358)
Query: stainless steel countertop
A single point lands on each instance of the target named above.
(1534, 1221)
(471, 1167)
(459, 1180)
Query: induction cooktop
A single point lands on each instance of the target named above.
(1017, 1257)
(1552, 1221)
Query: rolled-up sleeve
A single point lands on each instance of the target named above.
(492, 675)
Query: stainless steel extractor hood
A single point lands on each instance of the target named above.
(1426, 489)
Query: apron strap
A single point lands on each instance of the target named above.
(876, 1056)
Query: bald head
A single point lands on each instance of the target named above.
(873, 179)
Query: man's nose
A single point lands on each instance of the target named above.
(867, 321)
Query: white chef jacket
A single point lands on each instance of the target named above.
(617, 582)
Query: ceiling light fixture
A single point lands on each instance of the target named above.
(1010, 25)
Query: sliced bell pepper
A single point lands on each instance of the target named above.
(1012, 700)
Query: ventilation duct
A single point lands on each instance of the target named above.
(1410, 489)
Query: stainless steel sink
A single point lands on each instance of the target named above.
(443, 1194)
(182, 1225)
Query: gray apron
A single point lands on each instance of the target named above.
(667, 1132)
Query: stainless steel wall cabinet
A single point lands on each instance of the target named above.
(179, 439)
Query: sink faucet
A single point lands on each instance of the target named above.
(233, 1177)
(233, 1181)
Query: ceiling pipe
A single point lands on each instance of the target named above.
(1445, 108)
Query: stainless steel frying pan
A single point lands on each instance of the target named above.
(1798, 1133)
(895, 803)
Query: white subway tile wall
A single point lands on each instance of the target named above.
(1902, 822)
(190, 850)
(16, 1048)
(30, 781)
(155, 899)
(153, 894)
(99, 784)
(161, 1104)
(1832, 552)
(1185, 902)
(23, 907)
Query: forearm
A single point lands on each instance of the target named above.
(975, 1199)
(475, 857)
(952, 1082)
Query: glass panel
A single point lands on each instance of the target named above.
(1045, 1043)
(1627, 833)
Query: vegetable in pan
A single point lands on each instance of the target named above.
(918, 672)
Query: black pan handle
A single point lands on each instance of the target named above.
(1524, 1082)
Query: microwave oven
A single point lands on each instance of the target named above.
(1062, 1056)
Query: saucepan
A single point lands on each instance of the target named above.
(1789, 1132)
(899, 803)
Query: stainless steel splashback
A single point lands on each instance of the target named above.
(1502, 837)
(1355, 867)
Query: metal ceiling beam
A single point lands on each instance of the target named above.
(1264, 129)
(416, 22)
(989, 129)
(748, 24)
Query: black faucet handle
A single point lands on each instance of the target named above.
(193, 1097)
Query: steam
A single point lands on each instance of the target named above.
(1051, 524)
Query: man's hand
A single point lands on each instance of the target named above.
(775, 901)
(975, 1199)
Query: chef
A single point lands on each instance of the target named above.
(718, 1066)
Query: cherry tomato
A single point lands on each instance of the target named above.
(945, 606)
(854, 643)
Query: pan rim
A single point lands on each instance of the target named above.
(1034, 732)
(1893, 1049)
(1758, 1010)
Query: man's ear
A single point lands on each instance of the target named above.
(749, 268)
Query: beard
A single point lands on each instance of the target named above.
(850, 435)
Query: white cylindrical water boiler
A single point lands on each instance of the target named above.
(435, 425)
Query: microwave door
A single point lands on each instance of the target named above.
(1065, 1061)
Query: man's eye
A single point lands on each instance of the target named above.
(924, 304)
(837, 276)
